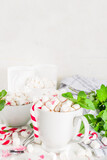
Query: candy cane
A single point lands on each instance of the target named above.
(93, 136)
(5, 140)
(34, 118)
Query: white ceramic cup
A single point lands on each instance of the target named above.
(15, 116)
(58, 129)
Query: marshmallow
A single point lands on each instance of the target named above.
(16, 141)
(30, 148)
(15, 135)
(104, 140)
(17, 99)
(57, 108)
(45, 99)
(69, 103)
(24, 134)
(39, 104)
(45, 108)
(76, 106)
(62, 99)
(87, 141)
(65, 107)
(71, 109)
(50, 106)
(95, 145)
(13, 103)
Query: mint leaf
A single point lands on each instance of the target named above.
(2, 104)
(3, 94)
(100, 114)
(104, 115)
(92, 95)
(81, 95)
(105, 104)
(31, 125)
(89, 104)
(105, 126)
(102, 93)
(82, 129)
(69, 96)
(90, 118)
(99, 126)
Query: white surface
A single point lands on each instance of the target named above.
(69, 154)
(70, 34)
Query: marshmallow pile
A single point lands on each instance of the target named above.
(56, 103)
(17, 98)
(40, 83)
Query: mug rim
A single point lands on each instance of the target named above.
(65, 113)
(17, 106)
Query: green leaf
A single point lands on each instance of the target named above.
(69, 96)
(81, 95)
(105, 126)
(82, 129)
(92, 95)
(105, 104)
(100, 114)
(105, 134)
(96, 103)
(99, 126)
(31, 125)
(3, 94)
(2, 104)
(102, 93)
(90, 104)
(90, 118)
(104, 116)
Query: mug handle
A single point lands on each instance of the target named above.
(77, 128)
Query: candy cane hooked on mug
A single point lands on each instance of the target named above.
(34, 118)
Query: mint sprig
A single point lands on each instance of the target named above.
(95, 100)
(82, 100)
(98, 122)
(2, 101)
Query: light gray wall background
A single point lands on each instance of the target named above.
(69, 33)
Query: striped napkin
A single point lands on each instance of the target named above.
(78, 82)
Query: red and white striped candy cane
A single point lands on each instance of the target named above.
(5, 140)
(34, 118)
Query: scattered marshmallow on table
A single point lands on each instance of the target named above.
(15, 135)
(16, 141)
(87, 141)
(30, 148)
(95, 145)
(24, 134)
(104, 140)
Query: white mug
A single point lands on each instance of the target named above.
(58, 129)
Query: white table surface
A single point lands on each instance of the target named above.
(35, 155)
